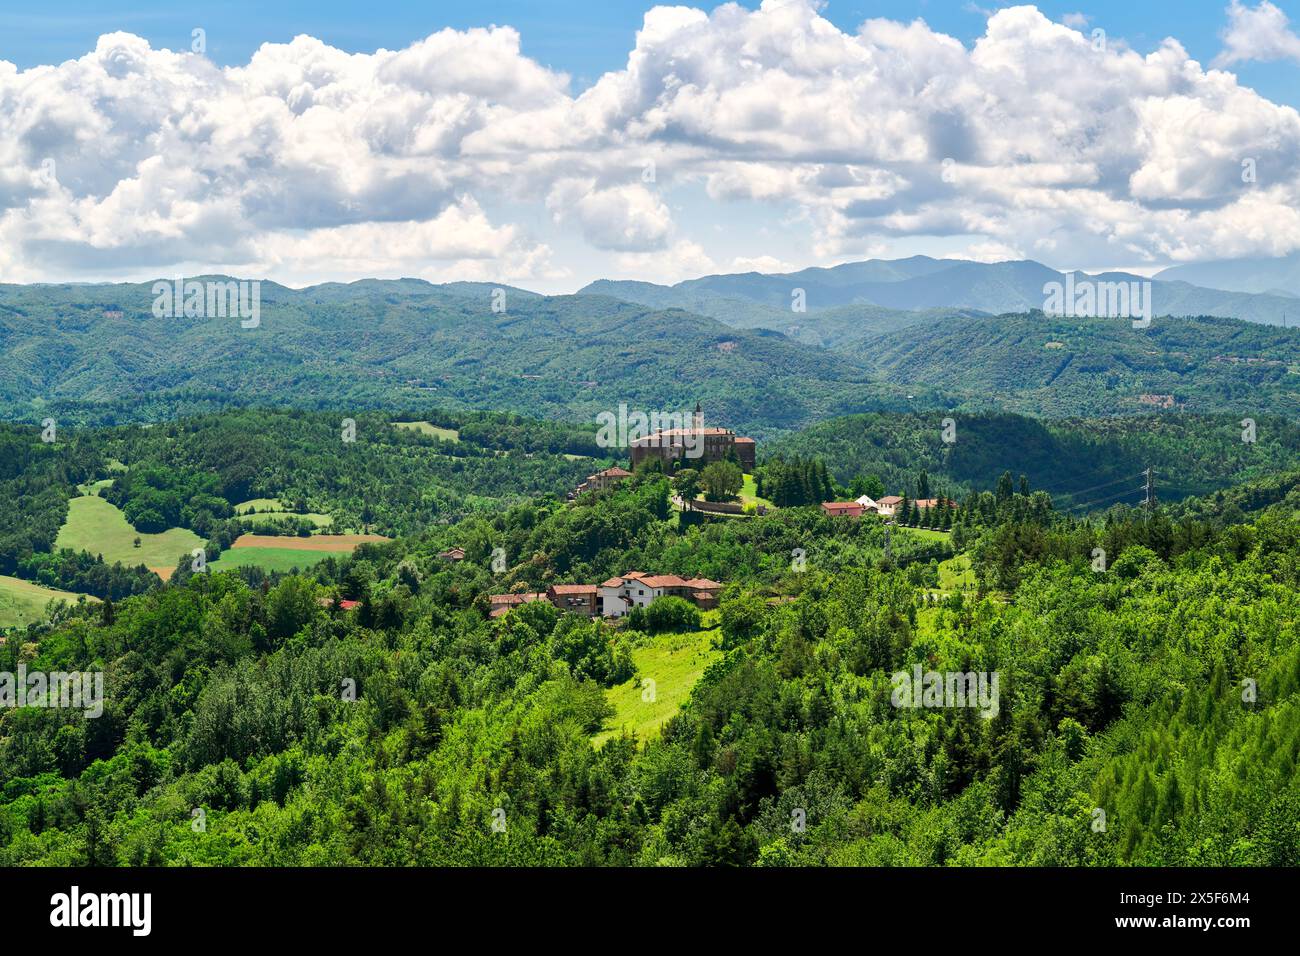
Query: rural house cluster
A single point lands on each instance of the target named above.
(615, 597)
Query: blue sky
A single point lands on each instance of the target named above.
(784, 136)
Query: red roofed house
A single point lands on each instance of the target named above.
(933, 502)
(842, 509)
(501, 603)
(574, 598)
(888, 506)
(634, 589)
(601, 480)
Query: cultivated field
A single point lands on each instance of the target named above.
(317, 542)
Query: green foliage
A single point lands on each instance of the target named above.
(722, 480)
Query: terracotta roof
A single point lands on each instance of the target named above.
(572, 589)
(891, 500)
(664, 581)
(682, 433)
(615, 472)
(699, 583)
(745, 441)
(612, 583)
(634, 575)
(510, 599)
(703, 595)
(842, 507)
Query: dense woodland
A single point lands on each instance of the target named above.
(230, 735)
(756, 368)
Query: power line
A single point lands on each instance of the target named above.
(1105, 484)
(1113, 497)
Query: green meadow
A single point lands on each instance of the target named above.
(23, 603)
(428, 428)
(674, 662)
(268, 559)
(96, 526)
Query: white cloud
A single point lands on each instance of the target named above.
(627, 218)
(1257, 33)
(461, 153)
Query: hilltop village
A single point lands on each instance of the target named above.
(689, 455)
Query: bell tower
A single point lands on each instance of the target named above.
(697, 420)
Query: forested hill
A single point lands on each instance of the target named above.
(415, 729)
(1080, 462)
(97, 354)
(1050, 366)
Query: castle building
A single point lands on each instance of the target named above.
(694, 447)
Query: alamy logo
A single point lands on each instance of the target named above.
(74, 690)
(1099, 300)
(134, 910)
(654, 430)
(209, 300)
(946, 689)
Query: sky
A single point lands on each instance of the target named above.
(547, 144)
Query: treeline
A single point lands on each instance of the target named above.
(794, 481)
(84, 573)
(1077, 461)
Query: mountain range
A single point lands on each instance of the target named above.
(938, 340)
(924, 283)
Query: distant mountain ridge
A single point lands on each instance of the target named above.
(1275, 276)
(925, 283)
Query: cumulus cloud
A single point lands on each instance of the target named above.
(459, 156)
(1257, 33)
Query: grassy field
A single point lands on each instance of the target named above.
(23, 603)
(427, 428)
(281, 553)
(268, 559)
(674, 662)
(258, 511)
(317, 542)
(749, 493)
(259, 504)
(925, 533)
(955, 574)
(266, 517)
(96, 526)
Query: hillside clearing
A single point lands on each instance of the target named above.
(674, 662)
(98, 527)
(23, 602)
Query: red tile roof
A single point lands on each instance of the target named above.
(890, 500)
(572, 589)
(702, 583)
(612, 583)
(518, 598)
(663, 581)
